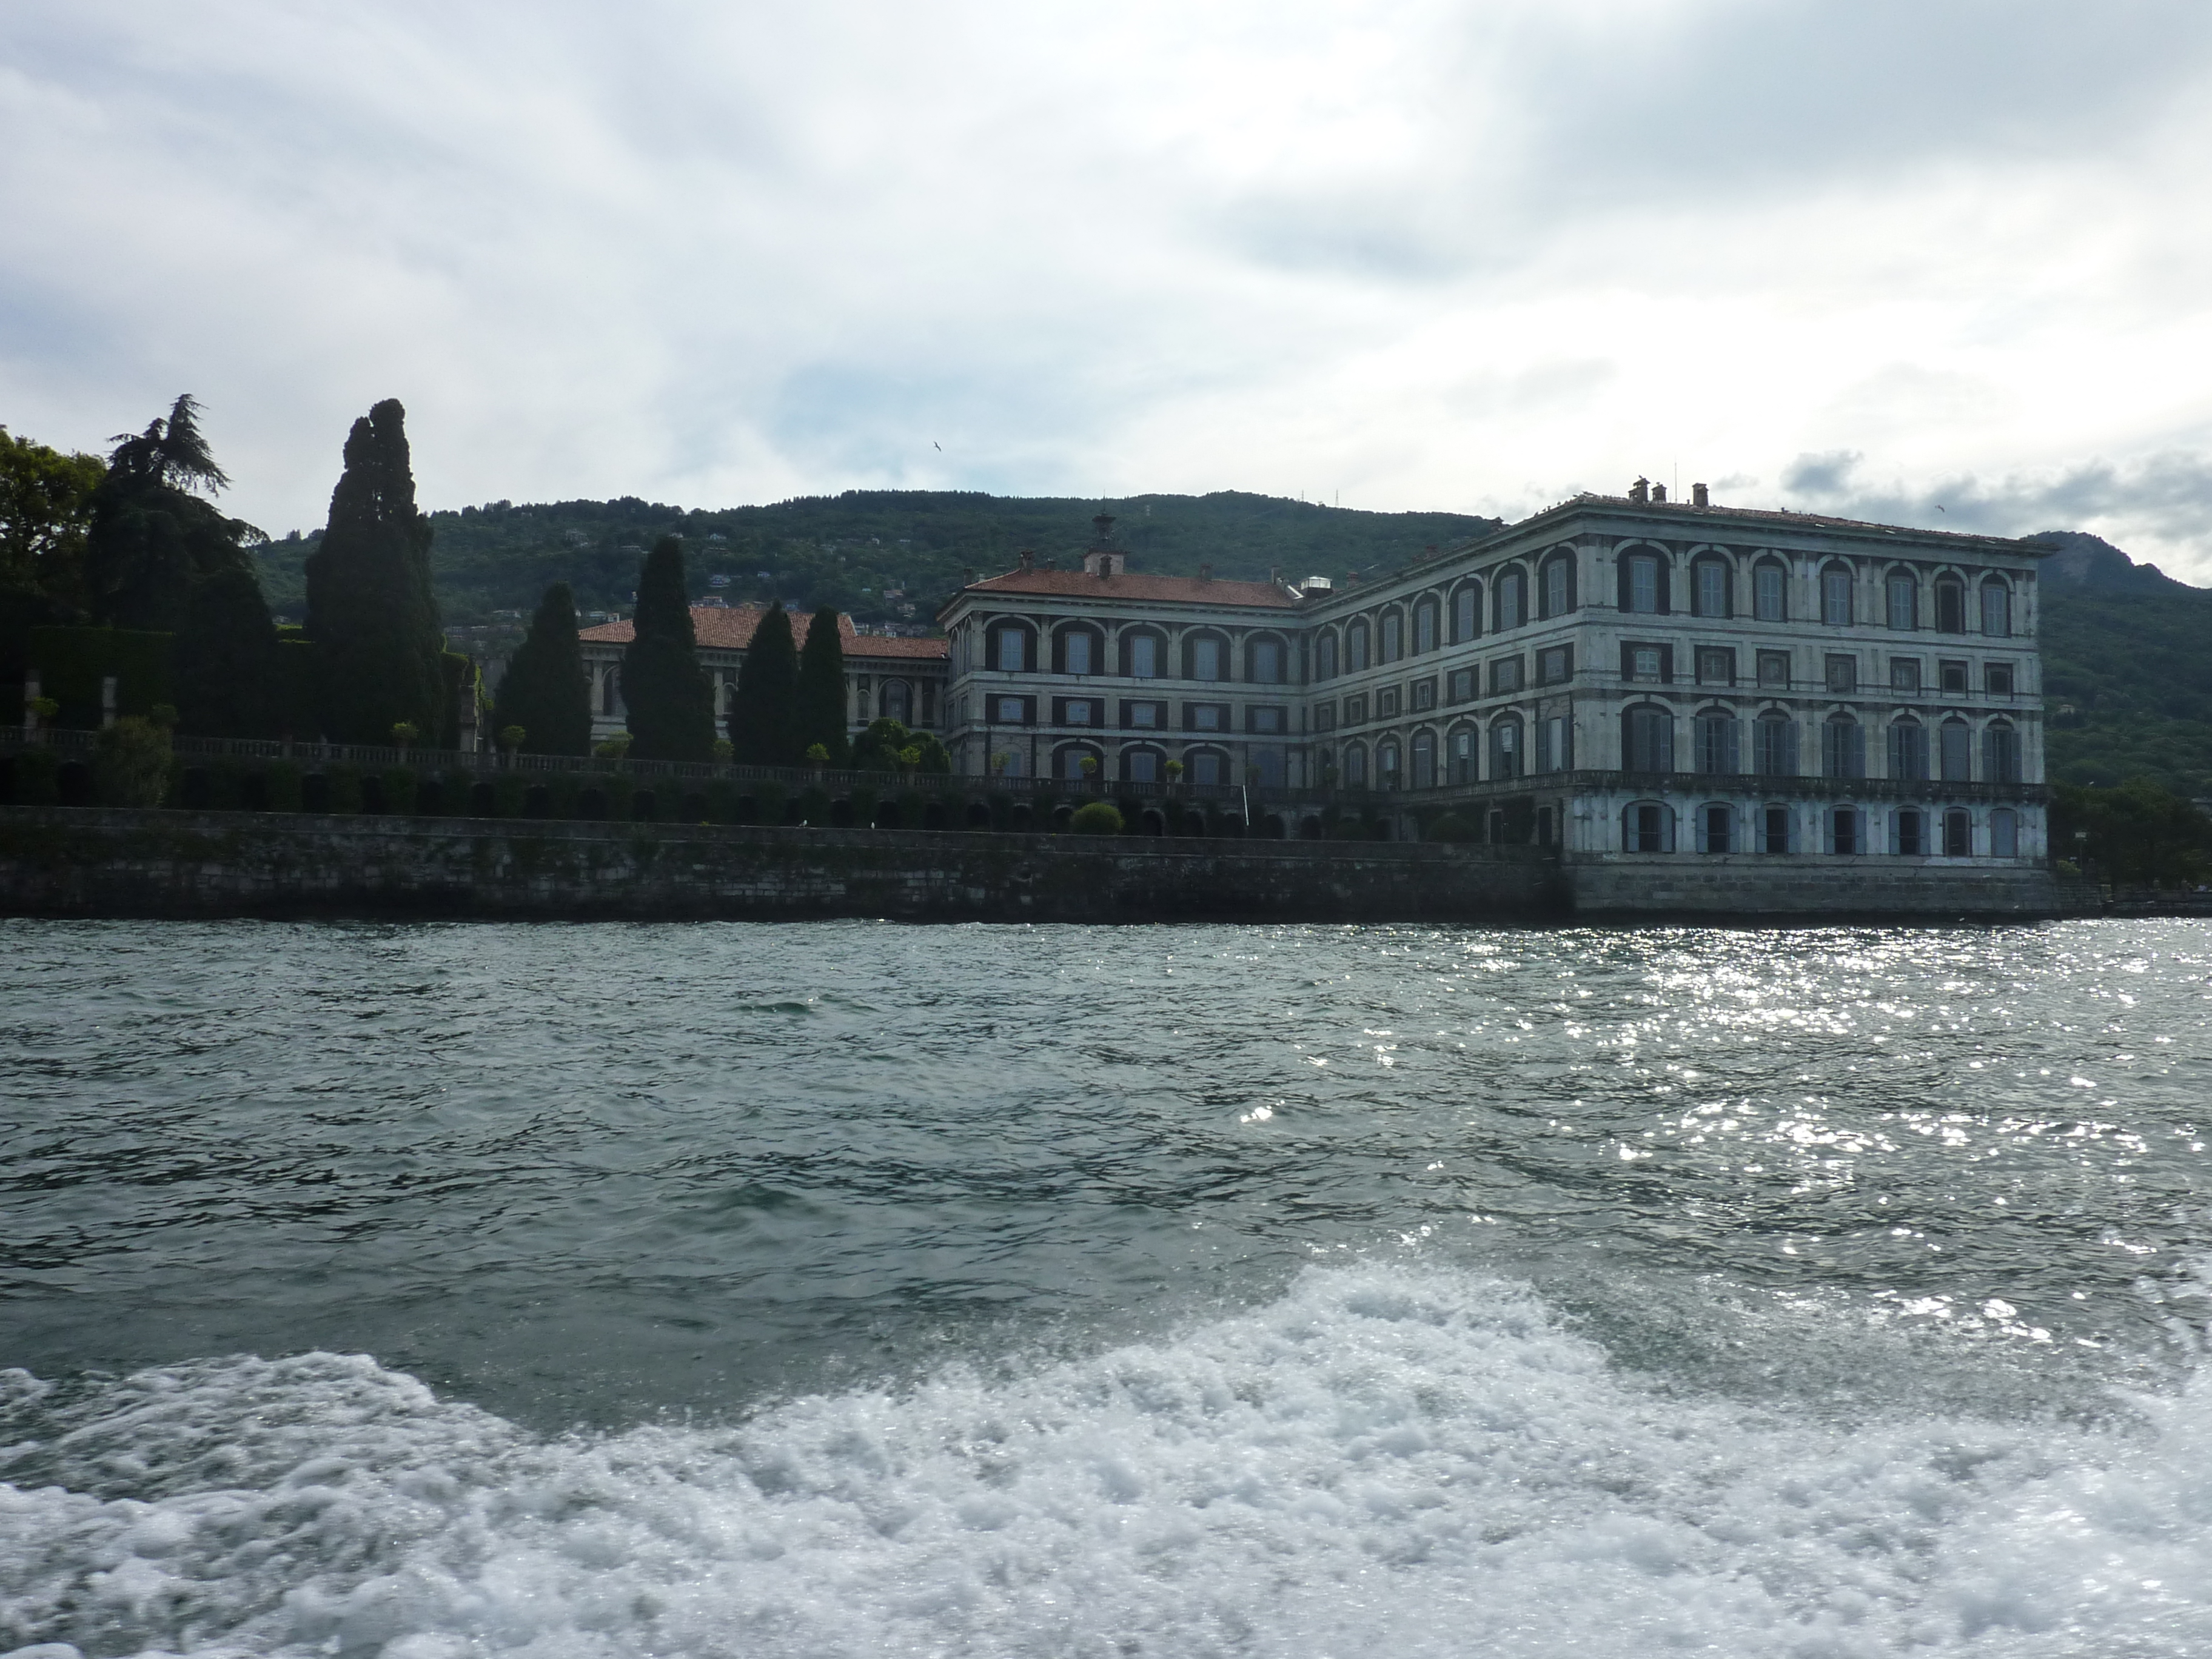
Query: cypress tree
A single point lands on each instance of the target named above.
(762, 717)
(370, 610)
(820, 703)
(545, 691)
(671, 704)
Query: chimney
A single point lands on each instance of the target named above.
(1205, 573)
(1658, 492)
(1640, 491)
(968, 577)
(1027, 560)
(1274, 575)
(1700, 497)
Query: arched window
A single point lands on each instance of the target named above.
(1554, 743)
(1718, 743)
(1843, 748)
(1463, 767)
(1467, 612)
(1836, 594)
(1708, 587)
(1647, 826)
(1010, 647)
(1264, 657)
(1141, 765)
(1205, 656)
(1908, 832)
(1555, 592)
(1647, 739)
(2004, 834)
(1770, 591)
(1143, 653)
(1950, 605)
(1996, 608)
(1425, 627)
(1355, 765)
(1080, 649)
(1325, 655)
(1506, 754)
(1206, 766)
(897, 701)
(1844, 829)
(1386, 763)
(1067, 762)
(1774, 750)
(1355, 645)
(1716, 828)
(2000, 753)
(1902, 591)
(1908, 750)
(1392, 636)
(1510, 598)
(1424, 760)
(1956, 751)
(1643, 582)
(1958, 833)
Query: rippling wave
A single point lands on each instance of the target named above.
(860, 1289)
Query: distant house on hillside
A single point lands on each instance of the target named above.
(901, 679)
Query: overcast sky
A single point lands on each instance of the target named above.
(1870, 257)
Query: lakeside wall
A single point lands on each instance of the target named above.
(107, 861)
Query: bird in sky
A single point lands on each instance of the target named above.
(936, 446)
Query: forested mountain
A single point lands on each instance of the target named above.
(884, 556)
(2127, 670)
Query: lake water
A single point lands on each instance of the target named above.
(849, 1289)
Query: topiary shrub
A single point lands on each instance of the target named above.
(1097, 818)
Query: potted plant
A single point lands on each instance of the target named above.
(42, 710)
(510, 738)
(404, 733)
(723, 750)
(613, 747)
(817, 756)
(1090, 768)
(1175, 773)
(909, 758)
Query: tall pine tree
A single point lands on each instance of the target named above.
(545, 691)
(370, 610)
(151, 538)
(671, 704)
(820, 704)
(763, 718)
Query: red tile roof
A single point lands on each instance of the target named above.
(730, 628)
(1183, 590)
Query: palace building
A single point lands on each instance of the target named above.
(1613, 675)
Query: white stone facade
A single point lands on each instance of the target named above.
(1622, 677)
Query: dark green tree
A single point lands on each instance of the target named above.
(370, 611)
(45, 510)
(226, 674)
(820, 703)
(545, 691)
(764, 726)
(671, 704)
(877, 748)
(151, 538)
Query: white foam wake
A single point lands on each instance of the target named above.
(1382, 1461)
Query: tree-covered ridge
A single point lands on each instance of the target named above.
(880, 556)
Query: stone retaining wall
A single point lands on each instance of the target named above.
(114, 862)
(1763, 887)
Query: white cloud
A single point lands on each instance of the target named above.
(1428, 255)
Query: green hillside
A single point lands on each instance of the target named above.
(858, 550)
